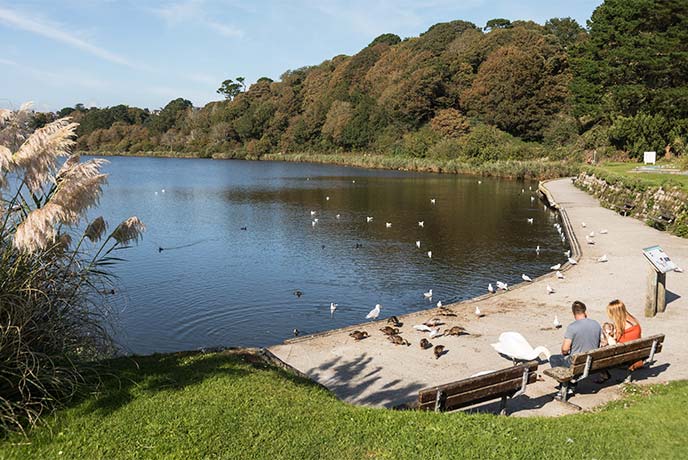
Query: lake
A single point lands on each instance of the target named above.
(238, 240)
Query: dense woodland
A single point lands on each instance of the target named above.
(509, 90)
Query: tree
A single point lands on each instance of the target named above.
(387, 39)
(230, 88)
(567, 31)
(498, 23)
(450, 123)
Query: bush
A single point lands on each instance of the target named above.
(52, 276)
(639, 133)
(417, 143)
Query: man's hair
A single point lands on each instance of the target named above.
(578, 308)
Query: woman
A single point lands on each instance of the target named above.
(627, 327)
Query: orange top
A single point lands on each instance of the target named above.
(632, 333)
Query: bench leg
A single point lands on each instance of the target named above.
(564, 392)
(502, 406)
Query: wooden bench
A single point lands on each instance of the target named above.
(582, 364)
(663, 220)
(625, 209)
(505, 383)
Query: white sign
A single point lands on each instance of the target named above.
(650, 158)
(659, 259)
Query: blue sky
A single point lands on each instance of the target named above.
(146, 52)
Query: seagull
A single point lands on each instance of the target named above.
(333, 307)
(369, 219)
(316, 220)
(478, 313)
(439, 304)
(523, 190)
(592, 234)
(678, 270)
(428, 295)
(163, 190)
(421, 223)
(537, 249)
(490, 288)
(430, 254)
(388, 224)
(555, 267)
(502, 286)
(530, 187)
(560, 275)
(338, 216)
(516, 347)
(568, 253)
(589, 240)
(530, 220)
(532, 198)
(603, 258)
(526, 278)
(572, 261)
(313, 223)
(432, 200)
(556, 322)
(374, 313)
(327, 198)
(583, 224)
(434, 333)
(549, 289)
(156, 193)
(480, 182)
(418, 244)
(312, 213)
(353, 181)
(604, 231)
(423, 328)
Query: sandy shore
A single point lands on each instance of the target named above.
(377, 373)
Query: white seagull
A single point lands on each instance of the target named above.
(568, 253)
(316, 220)
(312, 213)
(532, 198)
(490, 289)
(430, 254)
(418, 244)
(530, 220)
(516, 347)
(560, 275)
(374, 313)
(537, 249)
(327, 198)
(313, 223)
(333, 307)
(556, 322)
(678, 270)
(423, 328)
(163, 190)
(388, 224)
(555, 267)
(572, 261)
(550, 290)
(428, 295)
(369, 219)
(338, 216)
(526, 278)
(603, 258)
(604, 231)
(432, 200)
(583, 224)
(480, 182)
(478, 313)
(592, 234)
(439, 304)
(421, 223)
(589, 240)
(502, 286)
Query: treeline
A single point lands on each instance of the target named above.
(511, 90)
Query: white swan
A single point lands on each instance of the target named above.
(374, 313)
(516, 347)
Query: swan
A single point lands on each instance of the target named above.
(555, 267)
(369, 219)
(560, 275)
(516, 347)
(430, 254)
(428, 295)
(418, 244)
(490, 289)
(421, 223)
(526, 278)
(374, 313)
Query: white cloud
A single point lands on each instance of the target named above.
(194, 10)
(38, 27)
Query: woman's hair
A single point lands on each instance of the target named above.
(616, 310)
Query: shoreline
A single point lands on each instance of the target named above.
(375, 373)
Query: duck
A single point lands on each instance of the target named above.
(374, 313)
(433, 322)
(398, 340)
(516, 347)
(358, 335)
(388, 330)
(438, 351)
(444, 311)
(455, 330)
(298, 293)
(425, 344)
(394, 321)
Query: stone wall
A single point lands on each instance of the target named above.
(648, 203)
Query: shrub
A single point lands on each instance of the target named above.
(639, 133)
(52, 275)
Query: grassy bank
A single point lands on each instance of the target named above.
(223, 405)
(624, 172)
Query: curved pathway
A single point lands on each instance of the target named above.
(375, 372)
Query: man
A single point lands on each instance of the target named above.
(581, 335)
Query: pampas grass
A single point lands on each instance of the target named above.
(53, 317)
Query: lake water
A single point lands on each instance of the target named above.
(214, 284)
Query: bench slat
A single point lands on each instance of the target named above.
(428, 395)
(645, 342)
(491, 392)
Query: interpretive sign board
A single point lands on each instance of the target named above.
(650, 158)
(659, 259)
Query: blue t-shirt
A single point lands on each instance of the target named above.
(584, 334)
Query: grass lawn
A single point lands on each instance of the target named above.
(652, 179)
(221, 405)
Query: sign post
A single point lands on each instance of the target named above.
(655, 297)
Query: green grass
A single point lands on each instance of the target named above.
(650, 179)
(221, 405)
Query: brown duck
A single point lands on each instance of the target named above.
(394, 321)
(359, 335)
(432, 322)
(444, 311)
(388, 330)
(425, 344)
(398, 340)
(456, 330)
(439, 351)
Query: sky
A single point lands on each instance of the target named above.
(145, 53)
